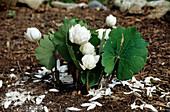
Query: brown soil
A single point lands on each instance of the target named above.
(21, 54)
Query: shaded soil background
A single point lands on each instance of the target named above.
(18, 53)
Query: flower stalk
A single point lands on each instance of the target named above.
(117, 57)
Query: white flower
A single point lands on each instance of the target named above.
(87, 48)
(89, 61)
(100, 32)
(33, 34)
(110, 20)
(79, 35)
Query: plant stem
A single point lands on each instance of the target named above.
(87, 83)
(111, 77)
(108, 77)
(56, 73)
(38, 43)
(106, 84)
(100, 81)
(52, 76)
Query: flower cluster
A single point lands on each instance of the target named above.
(80, 35)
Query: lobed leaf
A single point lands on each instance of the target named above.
(46, 52)
(132, 55)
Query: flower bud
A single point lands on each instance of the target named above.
(101, 31)
(33, 34)
(89, 61)
(110, 21)
(87, 48)
(79, 35)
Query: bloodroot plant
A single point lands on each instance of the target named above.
(92, 55)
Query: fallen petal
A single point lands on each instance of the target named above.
(74, 109)
(97, 103)
(85, 104)
(36, 80)
(92, 106)
(95, 97)
(53, 90)
(151, 107)
(38, 76)
(108, 91)
(6, 104)
(1, 83)
(134, 106)
(46, 109)
(39, 99)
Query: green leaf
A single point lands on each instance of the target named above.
(94, 40)
(73, 57)
(131, 56)
(94, 75)
(102, 43)
(108, 57)
(60, 37)
(46, 52)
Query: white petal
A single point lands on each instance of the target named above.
(96, 58)
(134, 106)
(85, 104)
(27, 35)
(108, 91)
(136, 93)
(150, 90)
(82, 66)
(74, 109)
(142, 106)
(168, 104)
(92, 106)
(95, 97)
(97, 103)
(53, 90)
(91, 92)
(46, 109)
(147, 80)
(114, 84)
(126, 83)
(164, 94)
(100, 33)
(39, 99)
(133, 79)
(134, 89)
(1, 83)
(12, 69)
(12, 76)
(128, 92)
(38, 76)
(36, 80)
(7, 103)
(63, 68)
(150, 107)
(18, 103)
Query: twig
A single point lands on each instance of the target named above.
(52, 109)
(19, 67)
(4, 77)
